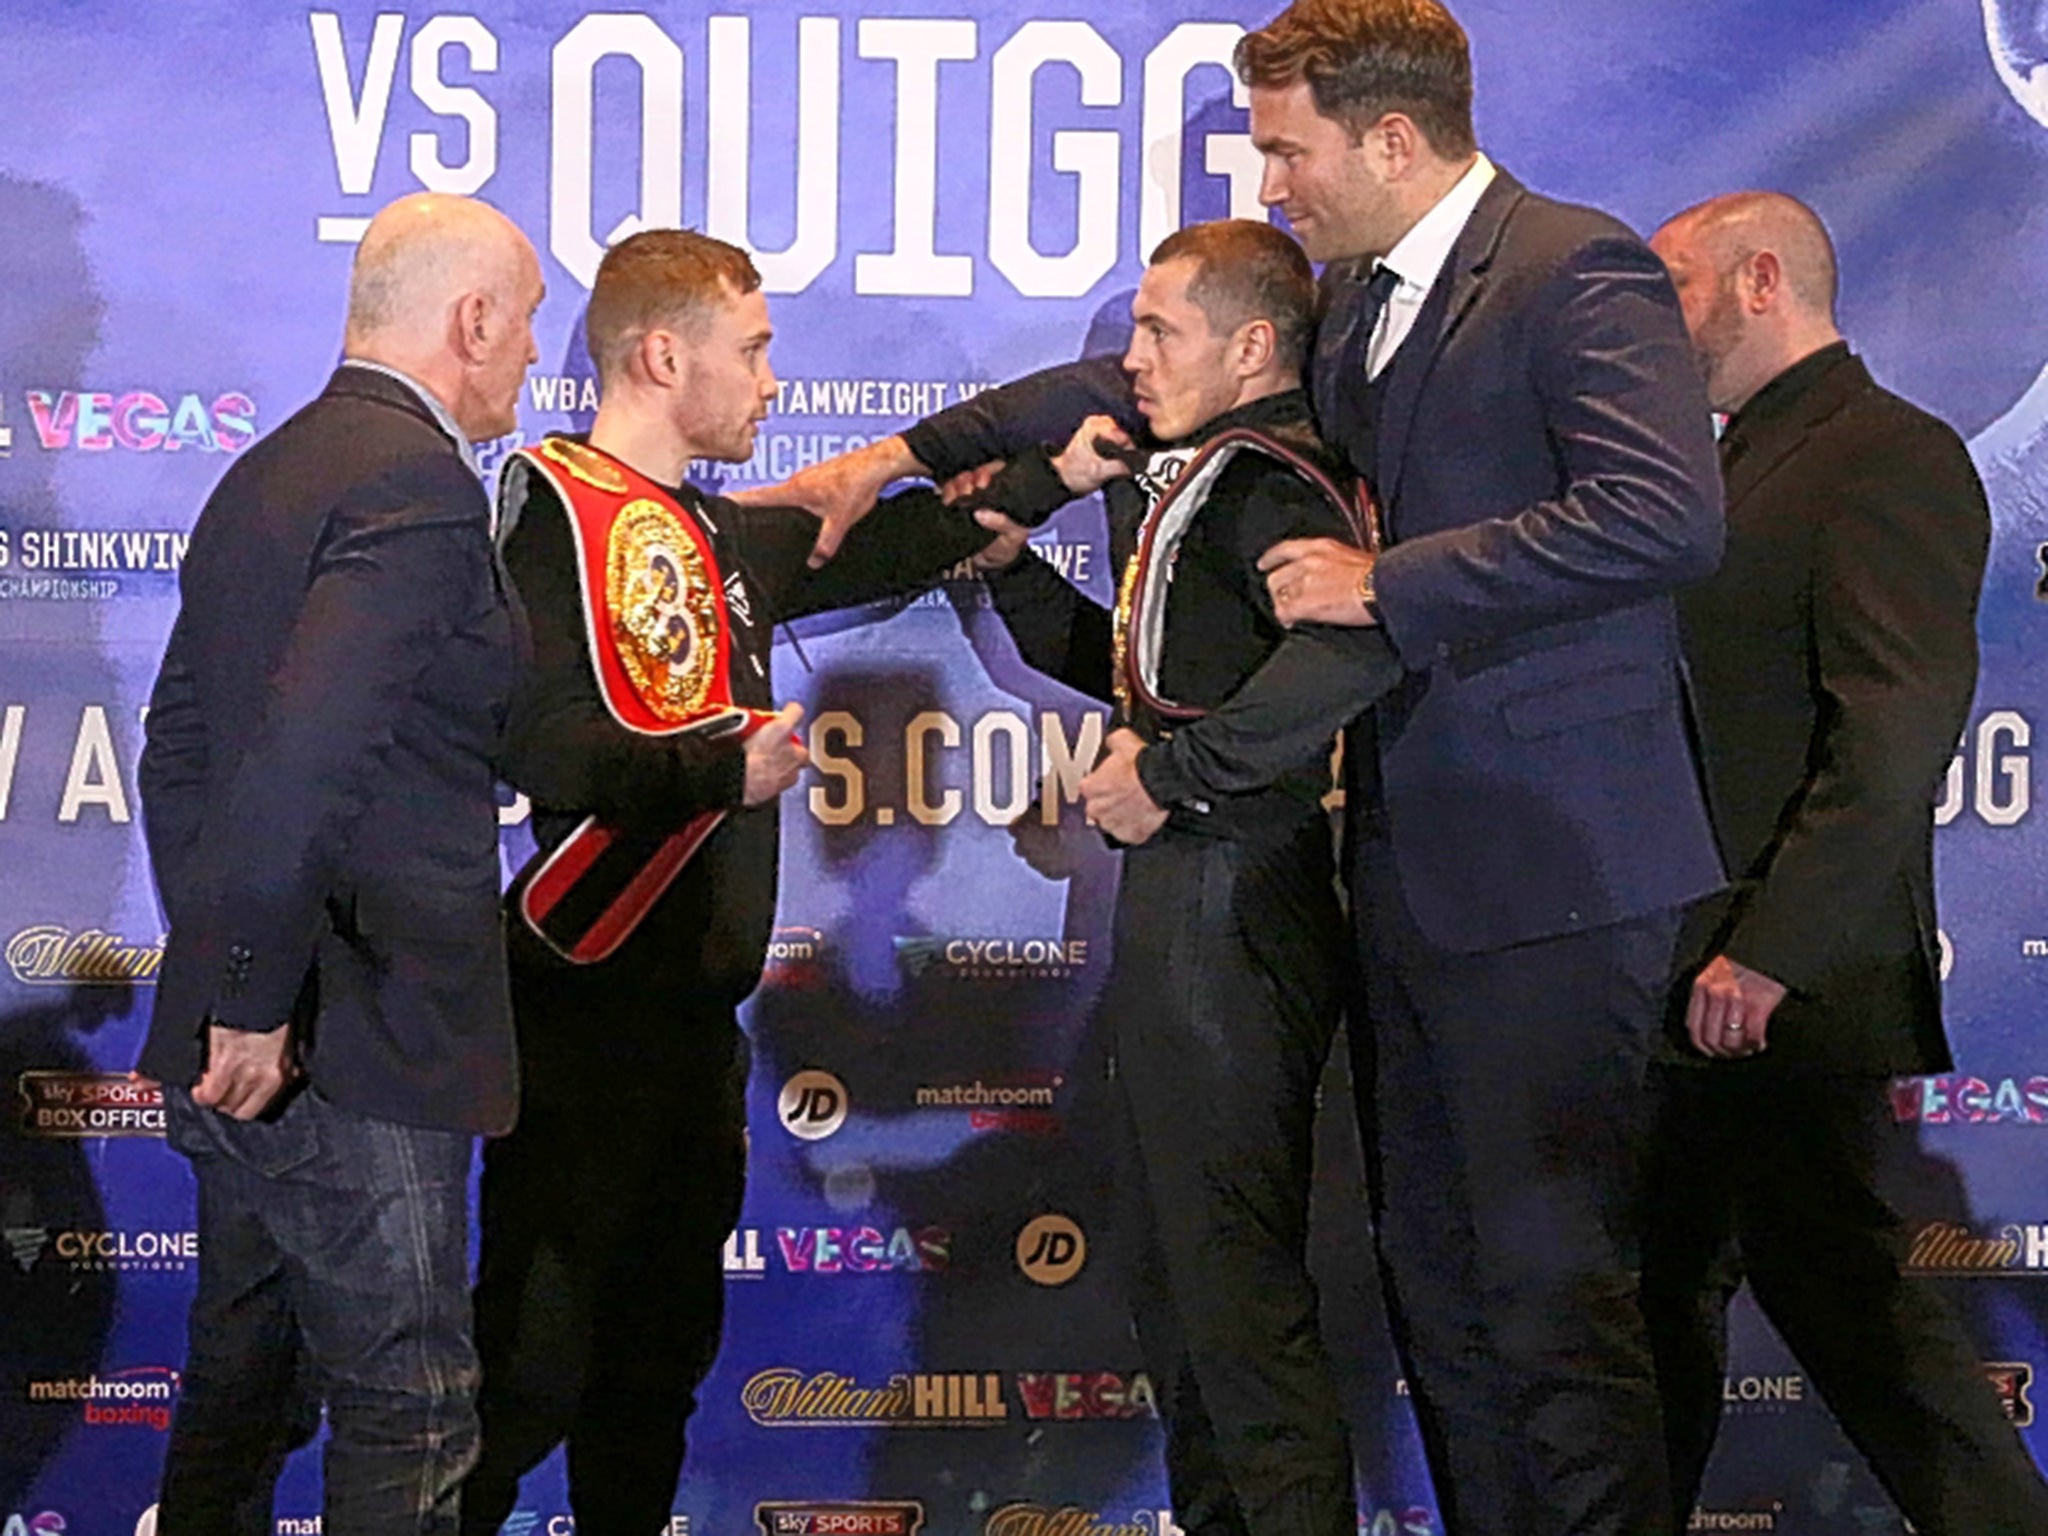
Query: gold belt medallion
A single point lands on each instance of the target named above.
(664, 609)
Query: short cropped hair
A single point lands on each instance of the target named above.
(1248, 270)
(660, 278)
(1365, 58)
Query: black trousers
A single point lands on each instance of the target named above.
(1773, 1174)
(1223, 1003)
(1505, 1103)
(601, 1287)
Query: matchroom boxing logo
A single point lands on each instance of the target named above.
(1051, 1249)
(812, 1105)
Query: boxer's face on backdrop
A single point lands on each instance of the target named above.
(1179, 366)
(2018, 33)
(1319, 177)
(727, 384)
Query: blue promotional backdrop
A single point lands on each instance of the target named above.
(924, 1316)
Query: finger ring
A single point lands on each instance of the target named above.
(1733, 1029)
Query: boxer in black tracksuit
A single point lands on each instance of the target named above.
(1229, 946)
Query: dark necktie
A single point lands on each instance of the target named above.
(1377, 292)
(1360, 429)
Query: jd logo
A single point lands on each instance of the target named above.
(812, 1105)
(1051, 1249)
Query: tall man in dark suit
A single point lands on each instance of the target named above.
(1512, 377)
(1833, 660)
(332, 1026)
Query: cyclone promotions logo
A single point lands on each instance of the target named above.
(796, 959)
(812, 1105)
(1024, 1105)
(1073, 1396)
(863, 1250)
(784, 1398)
(1051, 1249)
(849, 1517)
(25, 1245)
(2013, 1380)
(992, 959)
(49, 955)
(79, 1104)
(141, 421)
(105, 1250)
(1948, 1248)
(139, 1397)
(1970, 1100)
(1762, 1394)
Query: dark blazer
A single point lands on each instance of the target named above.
(1543, 453)
(1833, 661)
(318, 778)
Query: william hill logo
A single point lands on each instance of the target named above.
(782, 1398)
(1949, 1248)
(52, 956)
(1066, 1520)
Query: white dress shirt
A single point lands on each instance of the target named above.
(1419, 258)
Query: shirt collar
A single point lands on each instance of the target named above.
(428, 399)
(1778, 397)
(1419, 256)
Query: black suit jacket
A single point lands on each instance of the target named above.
(1542, 450)
(1833, 661)
(317, 783)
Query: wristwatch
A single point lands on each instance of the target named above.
(1368, 595)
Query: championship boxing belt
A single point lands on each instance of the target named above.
(654, 611)
(1139, 636)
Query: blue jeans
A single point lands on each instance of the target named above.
(333, 1268)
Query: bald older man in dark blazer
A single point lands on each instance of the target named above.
(1833, 660)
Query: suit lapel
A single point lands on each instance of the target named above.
(1466, 274)
(1773, 444)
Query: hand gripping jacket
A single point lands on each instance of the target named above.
(1140, 617)
(661, 648)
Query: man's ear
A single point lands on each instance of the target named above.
(471, 323)
(1252, 348)
(1395, 142)
(1766, 281)
(661, 357)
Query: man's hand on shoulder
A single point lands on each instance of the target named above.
(1729, 1013)
(245, 1070)
(775, 757)
(1320, 581)
(839, 492)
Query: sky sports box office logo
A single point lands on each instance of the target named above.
(73, 1105)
